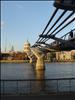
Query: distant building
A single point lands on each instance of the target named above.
(4, 55)
(13, 55)
(12, 49)
(73, 54)
(65, 55)
(26, 46)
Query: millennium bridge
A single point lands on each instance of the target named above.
(65, 42)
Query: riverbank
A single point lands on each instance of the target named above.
(66, 61)
(14, 61)
(27, 61)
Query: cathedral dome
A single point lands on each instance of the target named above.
(27, 46)
(27, 43)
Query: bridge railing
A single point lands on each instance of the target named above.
(38, 86)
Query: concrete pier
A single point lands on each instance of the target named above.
(40, 64)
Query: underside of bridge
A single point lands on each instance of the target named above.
(65, 42)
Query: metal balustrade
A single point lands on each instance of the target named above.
(38, 86)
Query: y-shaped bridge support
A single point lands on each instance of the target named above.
(40, 65)
(31, 56)
(31, 52)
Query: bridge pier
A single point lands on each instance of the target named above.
(40, 65)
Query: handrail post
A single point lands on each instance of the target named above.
(69, 86)
(3, 88)
(57, 87)
(17, 87)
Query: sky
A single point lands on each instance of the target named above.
(25, 20)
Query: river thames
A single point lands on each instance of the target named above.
(20, 78)
(26, 71)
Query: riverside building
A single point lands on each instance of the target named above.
(65, 55)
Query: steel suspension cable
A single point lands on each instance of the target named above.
(49, 21)
(56, 22)
(60, 24)
(63, 27)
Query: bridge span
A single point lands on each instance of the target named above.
(65, 42)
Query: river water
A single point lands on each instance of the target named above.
(26, 71)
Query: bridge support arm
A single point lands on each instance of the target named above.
(40, 65)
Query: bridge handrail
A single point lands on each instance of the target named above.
(37, 79)
(32, 86)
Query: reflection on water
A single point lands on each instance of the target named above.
(40, 74)
(39, 85)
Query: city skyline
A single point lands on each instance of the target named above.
(25, 20)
